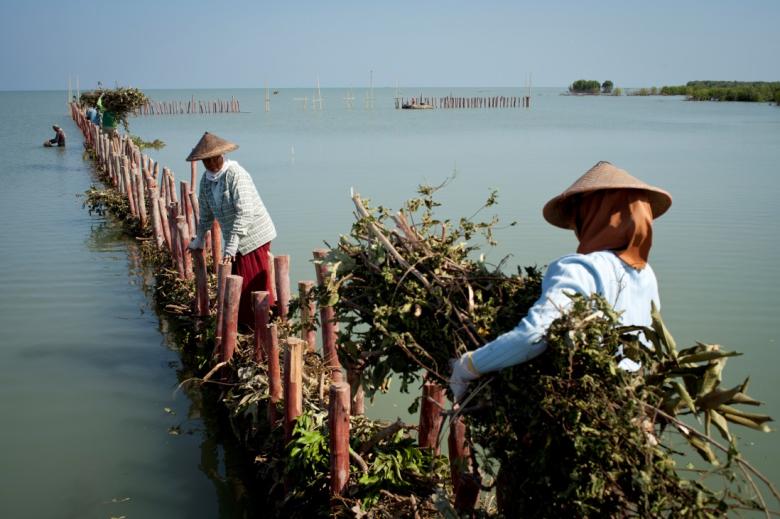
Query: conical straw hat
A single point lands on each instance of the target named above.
(603, 175)
(210, 146)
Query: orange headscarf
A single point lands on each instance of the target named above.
(618, 220)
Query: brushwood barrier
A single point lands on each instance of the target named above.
(571, 435)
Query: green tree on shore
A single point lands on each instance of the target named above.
(585, 86)
(606, 87)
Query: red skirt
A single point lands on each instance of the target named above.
(254, 268)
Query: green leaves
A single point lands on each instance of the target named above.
(595, 441)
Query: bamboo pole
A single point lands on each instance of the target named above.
(282, 275)
(272, 276)
(154, 205)
(140, 198)
(216, 243)
(201, 283)
(275, 377)
(186, 200)
(262, 315)
(430, 416)
(195, 208)
(175, 240)
(465, 488)
(357, 406)
(128, 187)
(223, 271)
(293, 384)
(193, 173)
(184, 242)
(230, 317)
(327, 322)
(308, 333)
(338, 423)
(164, 225)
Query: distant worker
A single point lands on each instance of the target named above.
(58, 139)
(93, 115)
(228, 193)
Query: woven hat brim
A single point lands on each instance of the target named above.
(559, 213)
(213, 152)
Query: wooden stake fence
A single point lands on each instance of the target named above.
(152, 198)
(216, 106)
(450, 102)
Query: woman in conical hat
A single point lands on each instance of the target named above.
(228, 194)
(611, 213)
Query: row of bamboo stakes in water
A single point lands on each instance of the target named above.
(192, 106)
(153, 199)
(466, 102)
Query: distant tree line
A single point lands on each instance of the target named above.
(591, 86)
(748, 91)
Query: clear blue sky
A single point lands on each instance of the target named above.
(181, 44)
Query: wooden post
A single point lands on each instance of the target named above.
(184, 241)
(195, 208)
(176, 251)
(282, 274)
(293, 384)
(357, 404)
(164, 225)
(430, 416)
(140, 198)
(157, 232)
(216, 243)
(230, 318)
(201, 283)
(186, 205)
(308, 334)
(272, 276)
(466, 489)
(338, 423)
(275, 377)
(328, 324)
(223, 271)
(128, 186)
(262, 313)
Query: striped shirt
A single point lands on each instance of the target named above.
(245, 222)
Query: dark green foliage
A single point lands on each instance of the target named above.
(394, 465)
(585, 86)
(746, 91)
(156, 144)
(572, 435)
(396, 319)
(121, 101)
(606, 87)
(589, 436)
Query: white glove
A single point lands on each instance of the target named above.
(463, 372)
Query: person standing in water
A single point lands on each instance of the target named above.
(228, 193)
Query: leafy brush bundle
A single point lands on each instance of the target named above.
(410, 295)
(122, 101)
(593, 440)
(569, 433)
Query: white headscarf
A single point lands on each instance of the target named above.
(214, 177)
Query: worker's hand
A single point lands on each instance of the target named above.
(227, 259)
(463, 373)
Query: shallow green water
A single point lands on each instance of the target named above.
(86, 373)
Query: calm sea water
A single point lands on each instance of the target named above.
(87, 373)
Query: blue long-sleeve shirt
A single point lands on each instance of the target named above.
(628, 290)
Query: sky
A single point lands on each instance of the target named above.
(288, 43)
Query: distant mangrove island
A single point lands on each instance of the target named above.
(746, 91)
